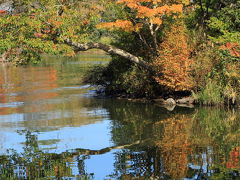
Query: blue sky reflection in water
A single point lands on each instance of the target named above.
(69, 133)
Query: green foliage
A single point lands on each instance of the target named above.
(37, 27)
(137, 82)
(216, 50)
(210, 94)
(41, 26)
(121, 78)
(224, 25)
(36, 163)
(18, 33)
(96, 75)
(219, 19)
(217, 77)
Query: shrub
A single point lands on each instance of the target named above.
(120, 77)
(223, 67)
(210, 94)
(173, 63)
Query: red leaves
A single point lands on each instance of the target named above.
(3, 11)
(38, 35)
(233, 161)
(233, 48)
(85, 22)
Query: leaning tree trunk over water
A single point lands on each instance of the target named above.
(110, 50)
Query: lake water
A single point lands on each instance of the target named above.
(53, 127)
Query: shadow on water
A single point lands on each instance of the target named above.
(149, 142)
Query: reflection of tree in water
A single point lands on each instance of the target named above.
(174, 145)
(149, 143)
(162, 133)
(183, 143)
(35, 164)
(163, 154)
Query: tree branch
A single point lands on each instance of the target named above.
(144, 41)
(153, 33)
(110, 50)
(79, 151)
(104, 150)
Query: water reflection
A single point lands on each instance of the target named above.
(182, 145)
(49, 99)
(51, 128)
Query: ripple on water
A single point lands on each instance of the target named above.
(57, 129)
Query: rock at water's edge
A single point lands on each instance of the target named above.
(170, 101)
(186, 100)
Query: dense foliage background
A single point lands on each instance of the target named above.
(192, 47)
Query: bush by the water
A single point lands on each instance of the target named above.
(120, 77)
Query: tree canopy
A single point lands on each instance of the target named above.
(43, 25)
(159, 38)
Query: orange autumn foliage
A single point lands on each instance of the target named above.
(120, 24)
(3, 11)
(232, 48)
(147, 12)
(175, 145)
(234, 158)
(173, 63)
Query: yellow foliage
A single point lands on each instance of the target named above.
(156, 20)
(173, 63)
(152, 13)
(143, 11)
(132, 5)
(120, 24)
(176, 145)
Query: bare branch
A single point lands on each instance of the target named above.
(110, 50)
(144, 41)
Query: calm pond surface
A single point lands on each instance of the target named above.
(53, 127)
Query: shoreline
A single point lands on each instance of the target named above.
(168, 102)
